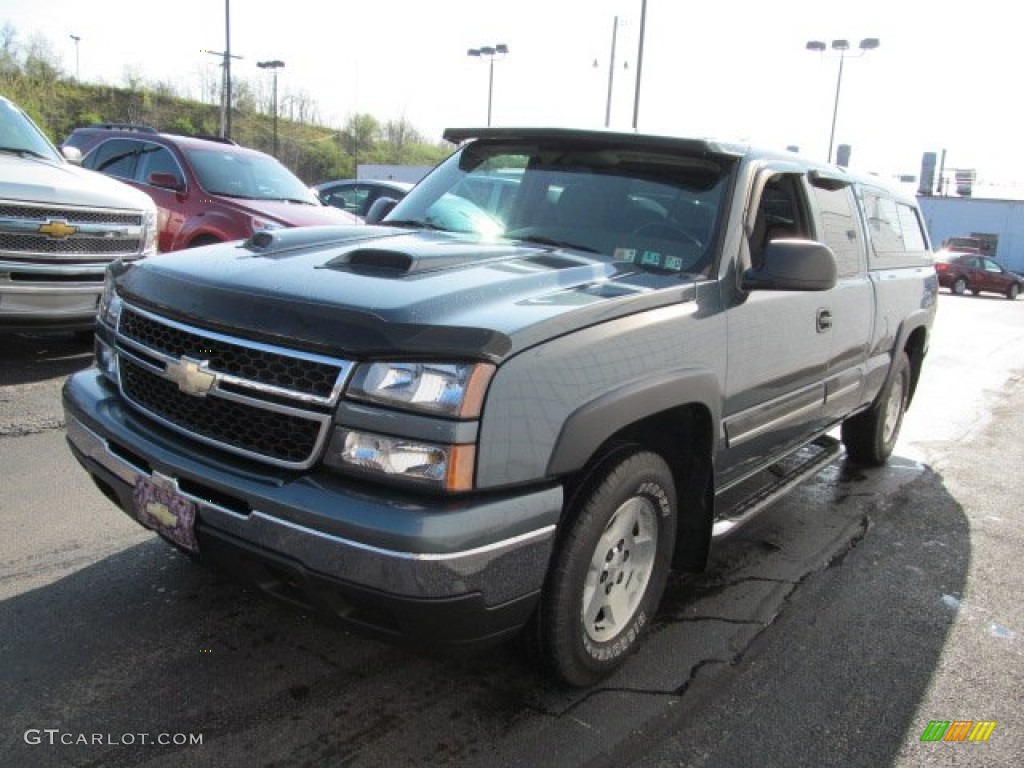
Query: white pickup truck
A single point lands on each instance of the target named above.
(60, 226)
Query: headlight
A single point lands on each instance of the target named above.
(447, 389)
(110, 303)
(445, 467)
(260, 224)
(149, 232)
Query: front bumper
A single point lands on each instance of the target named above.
(441, 570)
(49, 296)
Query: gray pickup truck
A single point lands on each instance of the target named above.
(559, 367)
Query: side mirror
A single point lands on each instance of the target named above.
(381, 207)
(166, 181)
(72, 154)
(793, 265)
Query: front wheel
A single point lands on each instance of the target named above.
(610, 568)
(1013, 292)
(870, 436)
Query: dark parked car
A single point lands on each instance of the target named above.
(206, 190)
(357, 195)
(962, 272)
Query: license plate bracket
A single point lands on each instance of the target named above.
(160, 507)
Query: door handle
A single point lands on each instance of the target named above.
(824, 320)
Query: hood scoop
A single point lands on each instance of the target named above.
(419, 259)
(374, 260)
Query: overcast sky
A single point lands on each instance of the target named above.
(732, 69)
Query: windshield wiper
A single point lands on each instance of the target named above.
(23, 151)
(411, 224)
(542, 240)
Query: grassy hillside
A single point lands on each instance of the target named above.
(315, 152)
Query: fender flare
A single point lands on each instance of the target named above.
(594, 422)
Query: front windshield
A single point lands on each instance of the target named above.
(19, 135)
(656, 209)
(242, 174)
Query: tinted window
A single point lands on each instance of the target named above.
(651, 210)
(841, 231)
(913, 232)
(897, 237)
(116, 157)
(154, 158)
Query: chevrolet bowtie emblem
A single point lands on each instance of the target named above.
(191, 376)
(58, 229)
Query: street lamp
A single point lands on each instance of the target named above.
(499, 51)
(867, 44)
(77, 40)
(273, 66)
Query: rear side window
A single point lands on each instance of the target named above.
(841, 232)
(898, 237)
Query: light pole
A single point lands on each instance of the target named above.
(639, 62)
(489, 52)
(77, 40)
(273, 66)
(867, 44)
(611, 74)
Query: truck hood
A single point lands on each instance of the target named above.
(34, 180)
(371, 291)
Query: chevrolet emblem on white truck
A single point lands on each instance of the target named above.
(191, 376)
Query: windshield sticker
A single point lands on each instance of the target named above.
(650, 259)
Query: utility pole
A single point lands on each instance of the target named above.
(225, 91)
(227, 68)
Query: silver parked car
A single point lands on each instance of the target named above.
(357, 195)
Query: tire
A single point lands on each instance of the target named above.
(1013, 292)
(959, 286)
(202, 240)
(610, 567)
(870, 436)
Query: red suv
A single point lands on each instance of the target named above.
(206, 190)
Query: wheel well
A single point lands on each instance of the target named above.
(914, 348)
(199, 240)
(684, 438)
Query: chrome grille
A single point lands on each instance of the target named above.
(98, 232)
(262, 365)
(263, 402)
(72, 215)
(279, 436)
(85, 246)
